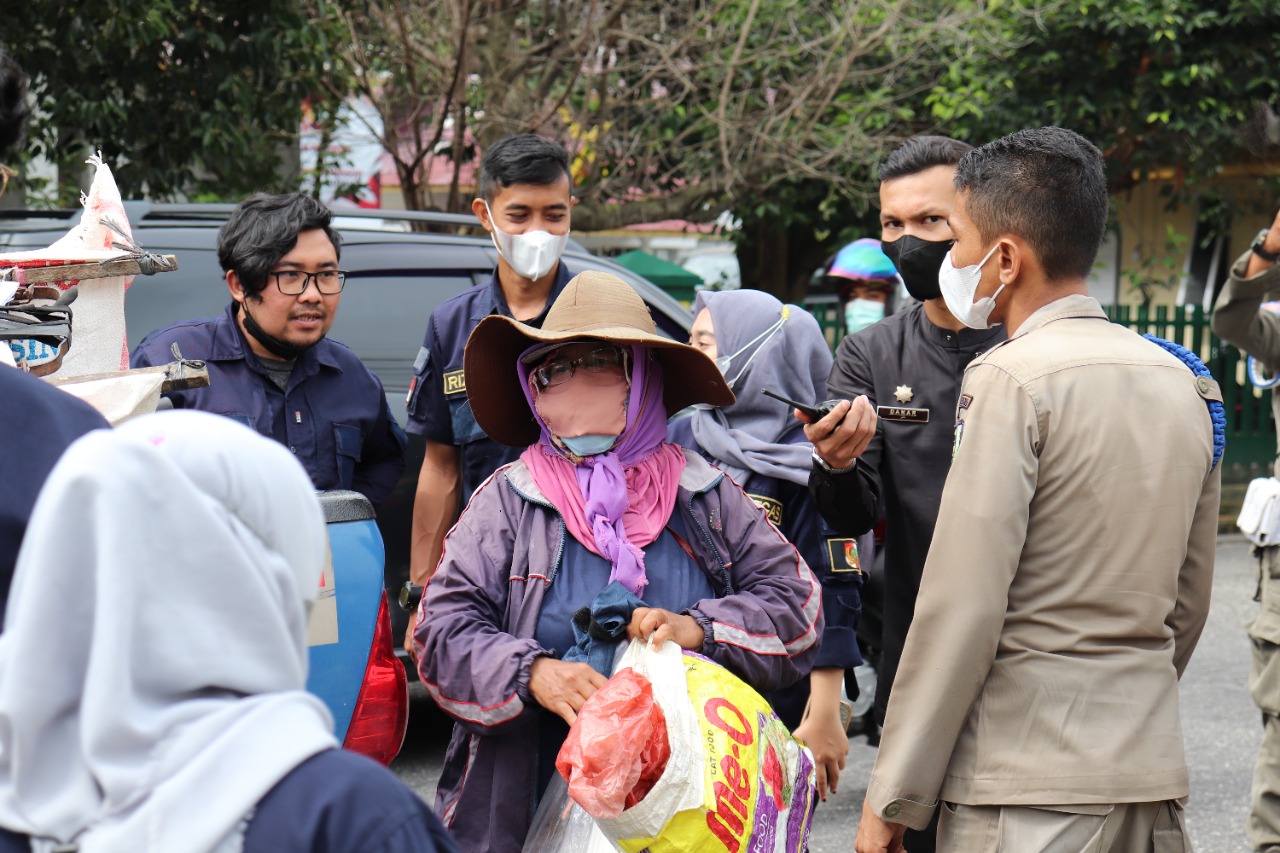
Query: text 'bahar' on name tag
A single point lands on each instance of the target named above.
(898, 414)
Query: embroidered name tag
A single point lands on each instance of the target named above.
(454, 383)
(771, 506)
(902, 416)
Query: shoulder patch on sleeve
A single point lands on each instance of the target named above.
(772, 507)
(454, 382)
(955, 442)
(843, 554)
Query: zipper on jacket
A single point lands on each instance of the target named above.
(555, 563)
(706, 537)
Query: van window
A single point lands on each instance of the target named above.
(383, 316)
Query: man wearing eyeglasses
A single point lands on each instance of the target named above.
(271, 366)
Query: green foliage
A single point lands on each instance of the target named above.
(184, 97)
(1158, 267)
(776, 91)
(808, 216)
(1158, 85)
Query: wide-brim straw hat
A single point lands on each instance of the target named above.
(593, 306)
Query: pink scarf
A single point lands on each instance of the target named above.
(615, 503)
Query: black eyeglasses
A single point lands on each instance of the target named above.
(558, 370)
(294, 282)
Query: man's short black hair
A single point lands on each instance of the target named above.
(14, 108)
(920, 153)
(523, 159)
(1045, 185)
(263, 229)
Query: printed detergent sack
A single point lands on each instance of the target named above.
(735, 781)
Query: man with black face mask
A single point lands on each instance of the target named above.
(886, 448)
(271, 366)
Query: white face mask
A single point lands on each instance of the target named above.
(532, 254)
(958, 287)
(725, 362)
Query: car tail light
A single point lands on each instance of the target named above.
(382, 711)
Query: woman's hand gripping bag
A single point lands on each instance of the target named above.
(735, 779)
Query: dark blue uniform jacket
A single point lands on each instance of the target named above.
(438, 406)
(334, 802)
(333, 413)
(37, 423)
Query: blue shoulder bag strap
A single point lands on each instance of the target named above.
(1217, 412)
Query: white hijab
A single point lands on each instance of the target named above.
(154, 657)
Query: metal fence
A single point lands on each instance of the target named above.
(1251, 429)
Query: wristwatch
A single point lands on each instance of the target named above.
(410, 595)
(1257, 247)
(822, 463)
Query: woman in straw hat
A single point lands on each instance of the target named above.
(761, 344)
(600, 512)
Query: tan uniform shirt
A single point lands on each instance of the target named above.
(1237, 320)
(1067, 582)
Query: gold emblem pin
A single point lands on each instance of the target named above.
(903, 394)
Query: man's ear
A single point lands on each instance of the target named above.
(1012, 258)
(481, 210)
(236, 288)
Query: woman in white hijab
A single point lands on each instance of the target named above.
(154, 659)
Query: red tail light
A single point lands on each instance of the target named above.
(382, 711)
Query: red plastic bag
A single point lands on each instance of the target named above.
(618, 747)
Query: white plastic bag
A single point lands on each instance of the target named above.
(1259, 517)
(561, 826)
(735, 781)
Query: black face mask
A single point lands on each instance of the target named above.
(918, 262)
(275, 346)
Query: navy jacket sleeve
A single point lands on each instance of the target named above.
(851, 503)
(37, 423)
(341, 802)
(142, 355)
(833, 559)
(428, 410)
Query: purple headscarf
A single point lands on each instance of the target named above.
(615, 502)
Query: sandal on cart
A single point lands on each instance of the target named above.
(48, 324)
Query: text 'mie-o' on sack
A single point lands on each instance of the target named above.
(731, 778)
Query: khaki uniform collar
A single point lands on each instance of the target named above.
(1075, 305)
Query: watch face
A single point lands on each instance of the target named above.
(1259, 249)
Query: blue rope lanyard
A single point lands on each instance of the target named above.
(1217, 412)
(1258, 375)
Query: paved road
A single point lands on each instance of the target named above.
(1219, 721)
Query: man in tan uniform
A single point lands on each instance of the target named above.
(1237, 318)
(1069, 575)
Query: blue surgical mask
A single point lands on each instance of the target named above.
(589, 445)
(860, 313)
